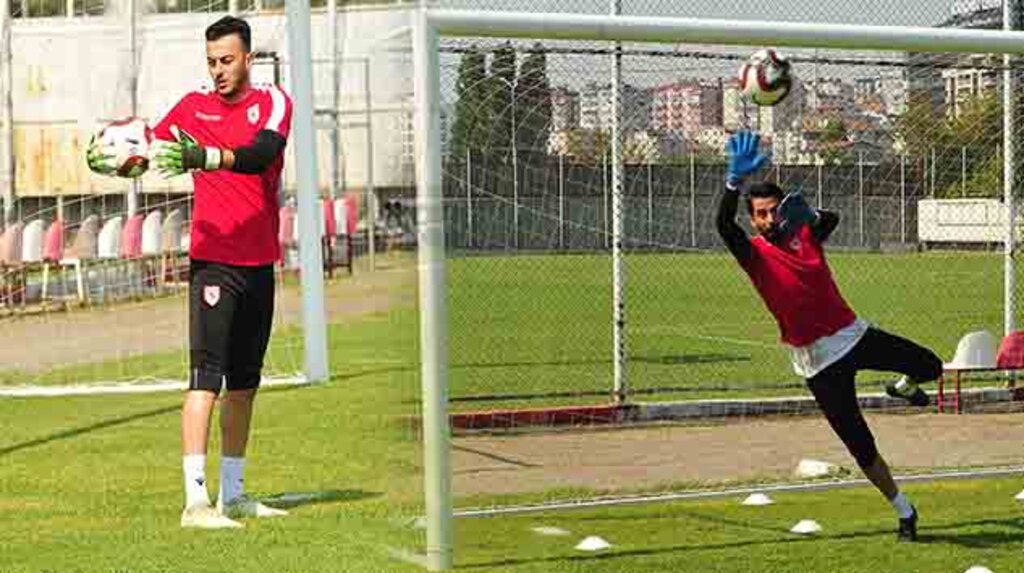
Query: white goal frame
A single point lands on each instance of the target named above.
(430, 24)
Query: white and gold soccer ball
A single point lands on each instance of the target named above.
(766, 78)
(128, 140)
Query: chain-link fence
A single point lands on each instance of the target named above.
(905, 148)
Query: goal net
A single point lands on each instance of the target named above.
(585, 286)
(93, 288)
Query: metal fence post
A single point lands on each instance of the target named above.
(860, 196)
(469, 198)
(903, 198)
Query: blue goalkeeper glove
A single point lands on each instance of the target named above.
(184, 154)
(794, 212)
(745, 156)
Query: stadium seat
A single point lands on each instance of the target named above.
(83, 250)
(109, 249)
(11, 257)
(131, 237)
(1011, 352)
(976, 352)
(32, 242)
(286, 234)
(149, 260)
(31, 256)
(109, 240)
(152, 226)
(53, 253)
(171, 247)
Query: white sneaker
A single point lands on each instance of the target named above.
(245, 506)
(204, 516)
(1019, 496)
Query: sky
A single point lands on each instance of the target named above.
(881, 12)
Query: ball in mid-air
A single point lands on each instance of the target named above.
(766, 78)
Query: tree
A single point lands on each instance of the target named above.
(500, 84)
(921, 127)
(470, 125)
(533, 105)
(833, 141)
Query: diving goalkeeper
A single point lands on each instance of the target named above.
(828, 343)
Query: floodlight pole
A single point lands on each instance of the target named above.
(433, 312)
(1009, 177)
(132, 200)
(7, 104)
(619, 390)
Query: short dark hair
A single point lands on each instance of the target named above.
(760, 190)
(230, 25)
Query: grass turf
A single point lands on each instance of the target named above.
(540, 326)
(530, 331)
(91, 484)
(962, 524)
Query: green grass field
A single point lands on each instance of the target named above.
(92, 484)
(531, 331)
(541, 325)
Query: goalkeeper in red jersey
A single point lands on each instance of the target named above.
(827, 341)
(231, 139)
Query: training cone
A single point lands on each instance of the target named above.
(1019, 496)
(593, 543)
(978, 569)
(815, 469)
(806, 527)
(758, 499)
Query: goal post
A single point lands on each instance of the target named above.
(432, 24)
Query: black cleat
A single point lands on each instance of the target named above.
(916, 397)
(908, 527)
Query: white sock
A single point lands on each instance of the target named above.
(902, 506)
(232, 483)
(905, 385)
(194, 467)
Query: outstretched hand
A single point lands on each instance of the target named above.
(745, 156)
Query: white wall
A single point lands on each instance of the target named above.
(70, 75)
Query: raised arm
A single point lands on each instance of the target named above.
(735, 237)
(744, 159)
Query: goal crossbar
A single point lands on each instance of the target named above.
(553, 26)
(430, 24)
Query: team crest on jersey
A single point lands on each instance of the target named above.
(254, 113)
(795, 244)
(211, 294)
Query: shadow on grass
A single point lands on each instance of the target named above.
(113, 422)
(978, 539)
(80, 431)
(291, 499)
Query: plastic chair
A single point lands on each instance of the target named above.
(109, 249)
(171, 237)
(53, 253)
(976, 352)
(1011, 352)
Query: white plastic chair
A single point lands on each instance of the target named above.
(109, 249)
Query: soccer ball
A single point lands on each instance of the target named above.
(765, 78)
(129, 139)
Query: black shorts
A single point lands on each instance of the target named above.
(231, 310)
(835, 391)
